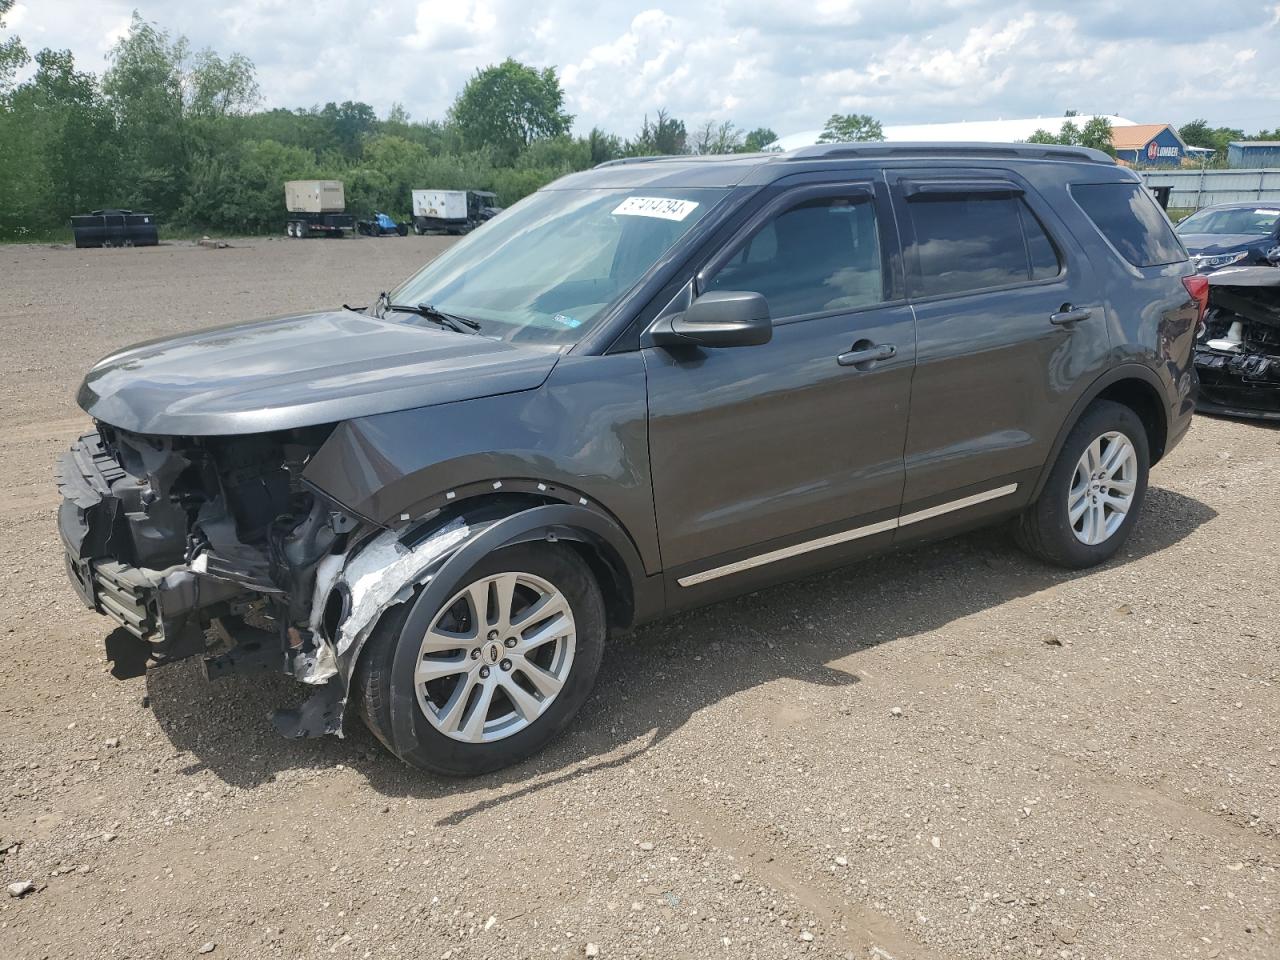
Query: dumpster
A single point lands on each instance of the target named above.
(115, 228)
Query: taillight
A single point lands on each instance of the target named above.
(1198, 287)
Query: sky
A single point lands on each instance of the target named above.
(784, 65)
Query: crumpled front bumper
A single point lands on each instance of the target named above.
(159, 607)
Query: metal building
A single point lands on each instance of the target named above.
(1253, 153)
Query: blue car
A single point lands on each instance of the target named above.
(1232, 234)
(381, 225)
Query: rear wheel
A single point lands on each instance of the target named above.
(288, 229)
(503, 666)
(1094, 492)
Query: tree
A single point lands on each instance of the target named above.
(665, 136)
(717, 138)
(60, 111)
(144, 88)
(508, 106)
(1096, 133)
(13, 55)
(851, 128)
(221, 88)
(602, 147)
(347, 125)
(1198, 133)
(758, 139)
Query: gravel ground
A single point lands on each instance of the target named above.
(1083, 765)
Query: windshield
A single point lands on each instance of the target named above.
(1252, 220)
(546, 269)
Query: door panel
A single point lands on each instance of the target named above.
(751, 445)
(995, 376)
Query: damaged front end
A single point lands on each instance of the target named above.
(217, 546)
(207, 545)
(1237, 354)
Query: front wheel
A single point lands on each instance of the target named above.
(1095, 490)
(503, 666)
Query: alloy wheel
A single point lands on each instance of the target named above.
(1102, 488)
(495, 657)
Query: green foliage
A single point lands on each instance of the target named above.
(1198, 133)
(664, 137)
(717, 138)
(144, 89)
(851, 128)
(13, 55)
(1096, 134)
(758, 139)
(602, 147)
(509, 106)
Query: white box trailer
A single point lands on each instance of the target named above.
(439, 210)
(314, 196)
(315, 208)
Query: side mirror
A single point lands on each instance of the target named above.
(721, 318)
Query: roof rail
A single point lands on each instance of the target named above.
(1034, 151)
(688, 158)
(623, 161)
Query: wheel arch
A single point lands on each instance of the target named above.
(1136, 387)
(498, 520)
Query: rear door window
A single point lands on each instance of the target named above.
(975, 242)
(820, 256)
(1126, 215)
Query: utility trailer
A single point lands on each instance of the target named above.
(115, 228)
(452, 211)
(316, 209)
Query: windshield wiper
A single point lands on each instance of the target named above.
(452, 321)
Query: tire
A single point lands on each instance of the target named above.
(288, 229)
(402, 229)
(1047, 529)
(300, 230)
(501, 736)
(417, 230)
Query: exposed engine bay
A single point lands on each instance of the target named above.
(215, 545)
(1237, 354)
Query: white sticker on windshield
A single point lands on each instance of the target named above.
(663, 208)
(1267, 213)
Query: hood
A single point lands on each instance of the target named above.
(300, 371)
(1210, 244)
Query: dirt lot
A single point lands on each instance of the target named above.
(1084, 766)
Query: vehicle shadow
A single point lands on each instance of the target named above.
(654, 679)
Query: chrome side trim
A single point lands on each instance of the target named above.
(794, 551)
(930, 512)
(857, 533)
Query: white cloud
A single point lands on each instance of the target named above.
(756, 62)
(448, 27)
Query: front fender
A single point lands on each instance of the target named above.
(585, 430)
(383, 574)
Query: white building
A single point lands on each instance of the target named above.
(965, 131)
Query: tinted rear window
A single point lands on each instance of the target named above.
(1126, 215)
(977, 242)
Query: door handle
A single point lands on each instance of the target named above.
(1070, 314)
(866, 354)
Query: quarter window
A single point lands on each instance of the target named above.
(1127, 215)
(965, 243)
(820, 256)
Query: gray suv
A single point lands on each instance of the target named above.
(648, 386)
